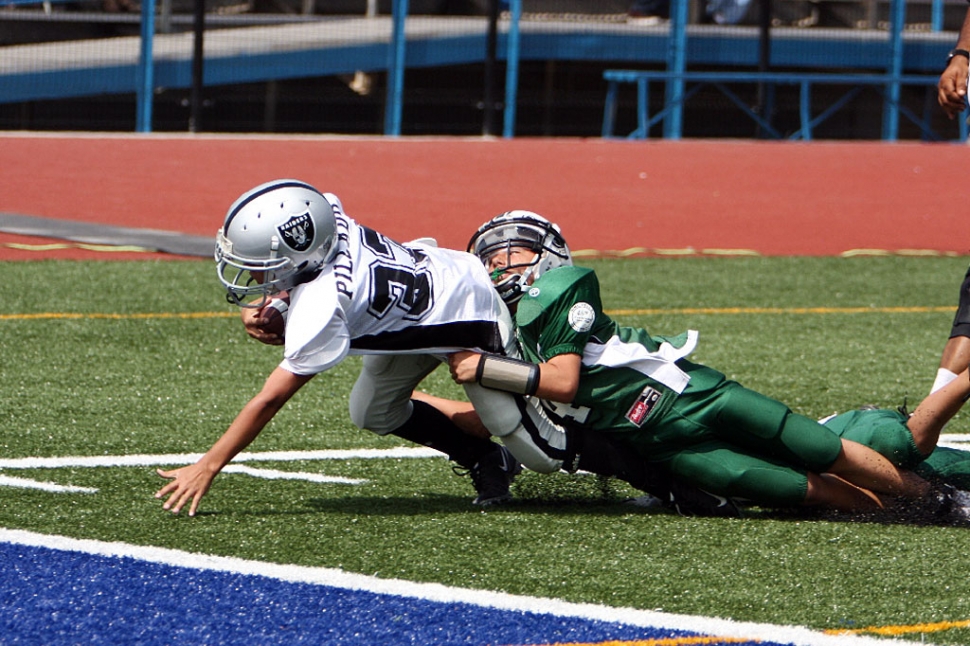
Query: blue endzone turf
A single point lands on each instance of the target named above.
(53, 597)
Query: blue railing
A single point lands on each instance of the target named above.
(672, 48)
(889, 84)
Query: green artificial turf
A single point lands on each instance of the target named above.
(820, 334)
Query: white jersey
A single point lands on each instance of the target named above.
(379, 296)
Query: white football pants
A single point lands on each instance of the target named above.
(380, 402)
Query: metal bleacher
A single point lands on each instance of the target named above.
(249, 48)
(238, 52)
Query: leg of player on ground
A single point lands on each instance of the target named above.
(380, 401)
(939, 407)
(956, 352)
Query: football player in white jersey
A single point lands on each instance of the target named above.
(352, 290)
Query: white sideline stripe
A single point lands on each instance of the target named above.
(23, 483)
(189, 458)
(954, 440)
(272, 474)
(436, 592)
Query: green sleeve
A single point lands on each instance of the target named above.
(559, 313)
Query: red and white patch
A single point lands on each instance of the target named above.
(644, 404)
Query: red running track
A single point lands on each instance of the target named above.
(774, 198)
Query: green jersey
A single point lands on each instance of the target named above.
(628, 378)
(704, 428)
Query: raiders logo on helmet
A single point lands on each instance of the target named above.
(297, 232)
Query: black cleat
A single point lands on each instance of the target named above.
(954, 505)
(492, 477)
(691, 501)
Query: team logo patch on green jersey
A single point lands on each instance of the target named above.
(641, 408)
(581, 317)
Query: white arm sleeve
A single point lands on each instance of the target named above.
(317, 335)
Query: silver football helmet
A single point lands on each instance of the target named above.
(520, 229)
(274, 237)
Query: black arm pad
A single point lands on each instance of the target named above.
(511, 375)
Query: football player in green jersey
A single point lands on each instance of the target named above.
(685, 417)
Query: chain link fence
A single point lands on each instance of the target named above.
(466, 67)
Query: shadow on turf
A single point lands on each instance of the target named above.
(912, 516)
(447, 504)
(561, 494)
(551, 493)
(436, 503)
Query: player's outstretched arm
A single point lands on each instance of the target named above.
(558, 378)
(190, 483)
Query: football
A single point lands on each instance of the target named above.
(275, 314)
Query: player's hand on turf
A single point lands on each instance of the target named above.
(952, 87)
(464, 366)
(254, 324)
(188, 485)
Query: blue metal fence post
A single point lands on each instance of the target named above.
(395, 69)
(676, 65)
(805, 109)
(609, 108)
(512, 70)
(890, 110)
(145, 88)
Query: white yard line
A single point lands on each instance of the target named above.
(189, 458)
(24, 483)
(271, 474)
(955, 441)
